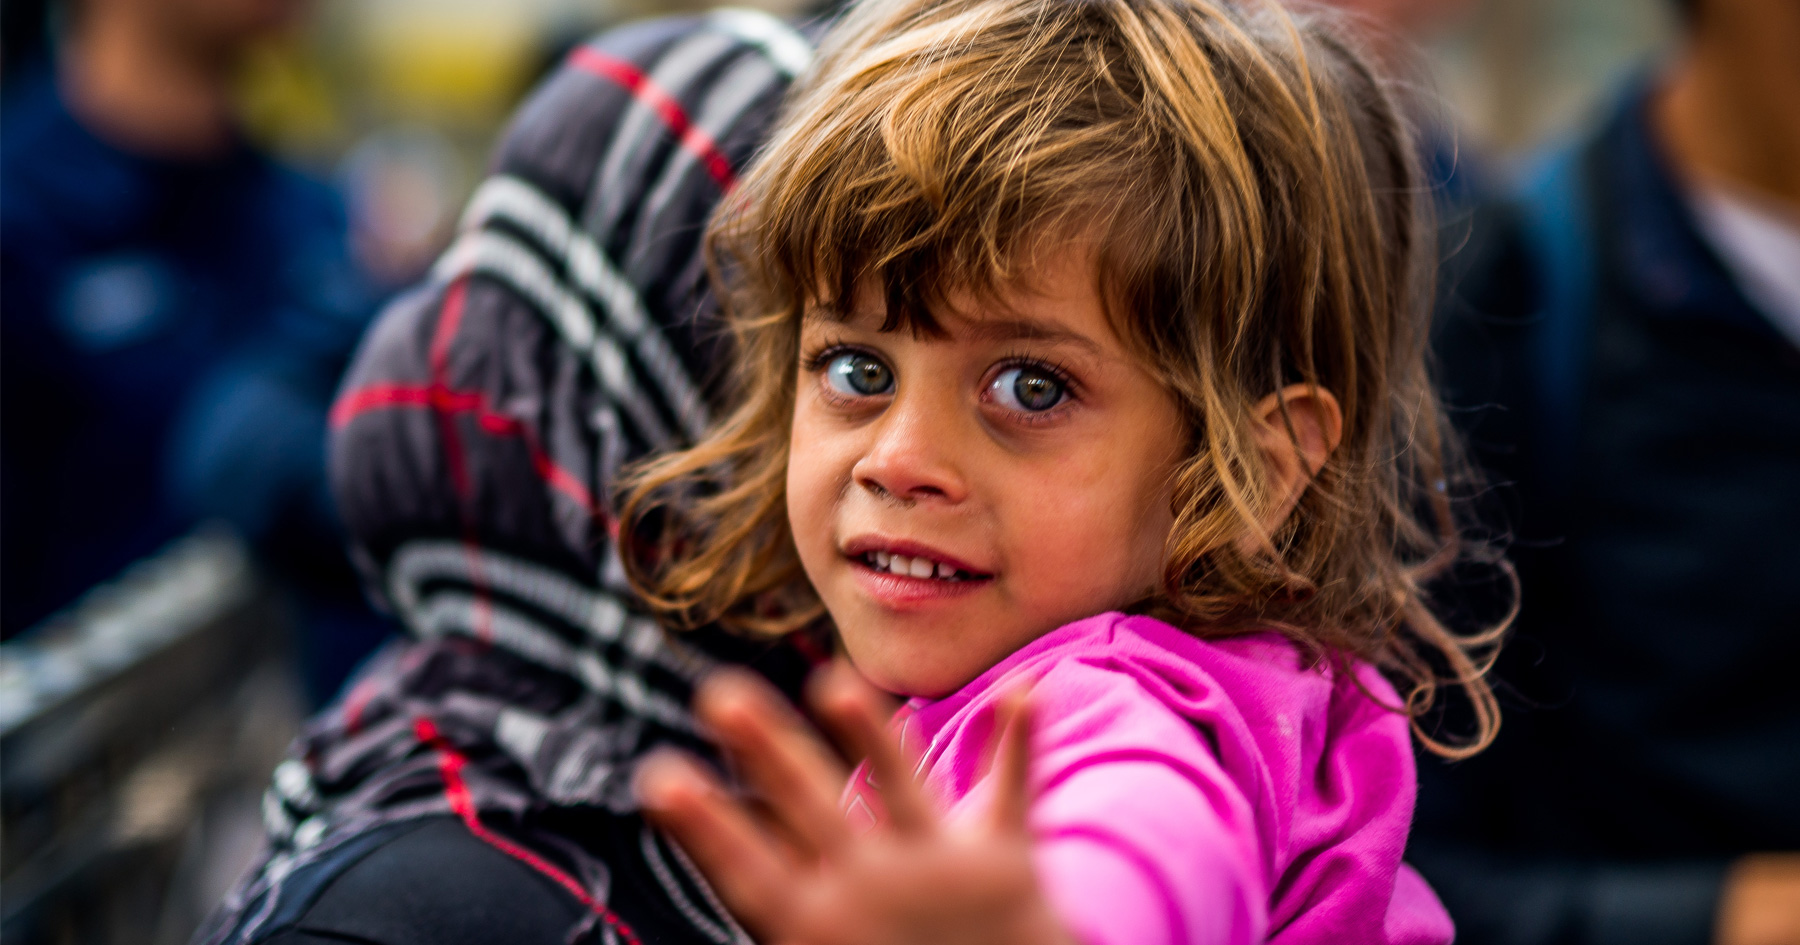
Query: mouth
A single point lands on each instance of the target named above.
(901, 559)
(916, 566)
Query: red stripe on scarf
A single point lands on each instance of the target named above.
(642, 88)
(462, 803)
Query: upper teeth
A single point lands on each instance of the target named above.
(913, 567)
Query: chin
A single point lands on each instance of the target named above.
(897, 683)
(904, 677)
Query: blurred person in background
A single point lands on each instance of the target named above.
(1632, 382)
(176, 307)
(473, 783)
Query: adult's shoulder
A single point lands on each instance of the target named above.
(431, 881)
(31, 115)
(58, 178)
(435, 881)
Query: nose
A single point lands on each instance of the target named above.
(916, 453)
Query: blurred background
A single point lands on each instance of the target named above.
(146, 694)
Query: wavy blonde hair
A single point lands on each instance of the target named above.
(1250, 186)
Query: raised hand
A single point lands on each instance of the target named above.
(795, 873)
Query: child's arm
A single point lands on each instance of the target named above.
(800, 876)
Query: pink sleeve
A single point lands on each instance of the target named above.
(1148, 846)
(1133, 853)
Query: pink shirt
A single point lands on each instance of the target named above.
(1192, 791)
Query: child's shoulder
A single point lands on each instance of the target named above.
(1255, 701)
(1259, 680)
(1253, 708)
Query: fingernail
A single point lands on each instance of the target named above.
(725, 696)
(660, 778)
(834, 689)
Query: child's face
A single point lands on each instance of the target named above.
(1022, 463)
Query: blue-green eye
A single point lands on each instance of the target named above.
(1031, 389)
(859, 375)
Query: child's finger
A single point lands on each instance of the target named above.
(1012, 762)
(743, 865)
(852, 710)
(783, 760)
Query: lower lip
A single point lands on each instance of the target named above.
(894, 590)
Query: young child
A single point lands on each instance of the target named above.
(1081, 350)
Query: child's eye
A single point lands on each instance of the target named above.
(1031, 389)
(859, 375)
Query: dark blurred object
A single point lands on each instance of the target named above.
(24, 32)
(137, 729)
(176, 308)
(1626, 379)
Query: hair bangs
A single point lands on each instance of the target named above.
(923, 174)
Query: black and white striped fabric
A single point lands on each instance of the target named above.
(475, 443)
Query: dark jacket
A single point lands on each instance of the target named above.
(170, 335)
(1642, 421)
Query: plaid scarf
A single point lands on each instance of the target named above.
(474, 446)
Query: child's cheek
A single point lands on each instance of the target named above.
(814, 478)
(1091, 528)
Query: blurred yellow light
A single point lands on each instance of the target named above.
(453, 61)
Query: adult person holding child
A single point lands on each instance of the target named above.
(472, 784)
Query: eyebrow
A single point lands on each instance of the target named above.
(1021, 329)
(999, 329)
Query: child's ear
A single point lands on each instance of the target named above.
(1295, 447)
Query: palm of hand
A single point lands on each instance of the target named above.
(938, 889)
(796, 874)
